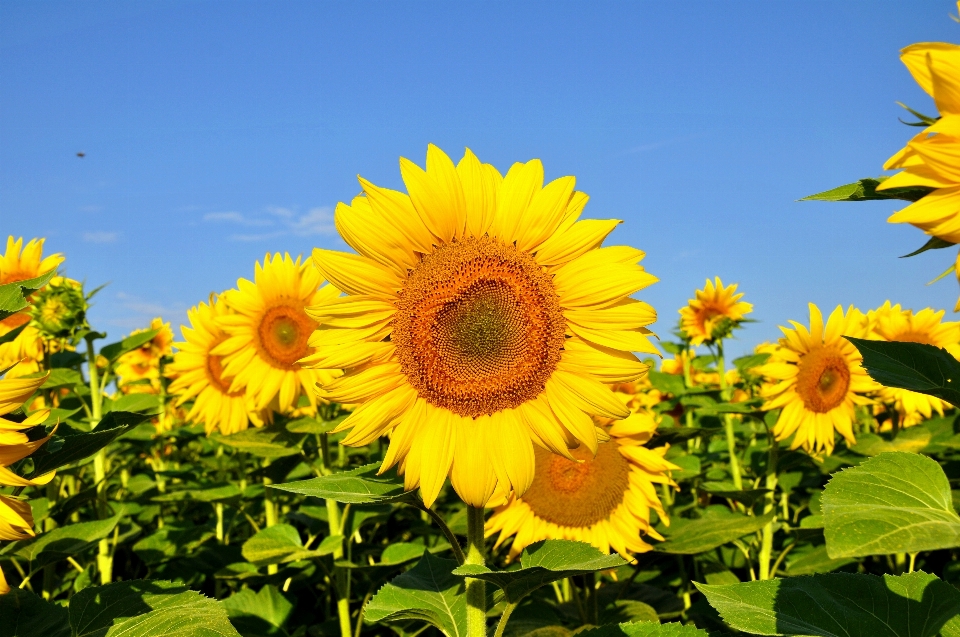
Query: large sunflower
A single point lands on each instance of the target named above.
(891, 323)
(603, 499)
(713, 312)
(269, 332)
(818, 379)
(198, 374)
(16, 518)
(21, 263)
(481, 316)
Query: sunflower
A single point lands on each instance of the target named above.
(891, 323)
(713, 313)
(16, 518)
(21, 263)
(198, 374)
(269, 332)
(817, 380)
(698, 376)
(481, 317)
(603, 499)
(26, 349)
(138, 371)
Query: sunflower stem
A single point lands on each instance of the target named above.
(766, 541)
(502, 624)
(104, 558)
(728, 421)
(476, 588)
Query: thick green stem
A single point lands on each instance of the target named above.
(341, 576)
(766, 541)
(476, 588)
(502, 624)
(728, 421)
(104, 558)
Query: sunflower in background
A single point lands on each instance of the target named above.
(138, 371)
(481, 321)
(892, 323)
(713, 313)
(21, 263)
(817, 380)
(16, 517)
(603, 499)
(269, 331)
(198, 374)
(698, 377)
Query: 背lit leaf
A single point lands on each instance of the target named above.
(258, 613)
(81, 445)
(709, 532)
(840, 605)
(541, 563)
(915, 366)
(62, 377)
(866, 190)
(893, 503)
(427, 592)
(13, 295)
(113, 351)
(265, 443)
(644, 629)
(357, 486)
(62, 542)
(281, 543)
(137, 402)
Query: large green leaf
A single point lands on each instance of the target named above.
(934, 243)
(428, 592)
(23, 614)
(281, 543)
(113, 351)
(709, 532)
(137, 402)
(866, 190)
(62, 377)
(358, 486)
(841, 605)
(258, 613)
(62, 450)
(915, 366)
(893, 503)
(644, 629)
(13, 296)
(145, 608)
(541, 563)
(62, 542)
(265, 443)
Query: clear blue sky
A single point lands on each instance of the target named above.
(217, 131)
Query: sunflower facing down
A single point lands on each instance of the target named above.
(21, 263)
(269, 331)
(891, 323)
(604, 500)
(817, 379)
(481, 317)
(16, 517)
(713, 312)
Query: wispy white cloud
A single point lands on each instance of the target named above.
(100, 237)
(281, 221)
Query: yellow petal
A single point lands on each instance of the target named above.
(582, 237)
(355, 274)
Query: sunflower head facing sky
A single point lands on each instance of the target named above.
(892, 323)
(268, 332)
(816, 380)
(713, 313)
(481, 319)
(603, 499)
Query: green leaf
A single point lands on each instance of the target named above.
(750, 361)
(840, 605)
(709, 532)
(12, 335)
(689, 467)
(935, 243)
(171, 541)
(137, 402)
(894, 503)
(258, 612)
(219, 493)
(814, 560)
(265, 443)
(62, 377)
(728, 490)
(541, 563)
(113, 351)
(644, 629)
(81, 445)
(866, 189)
(313, 425)
(13, 295)
(914, 366)
(281, 543)
(667, 383)
(911, 439)
(26, 615)
(147, 608)
(358, 486)
(427, 592)
(62, 542)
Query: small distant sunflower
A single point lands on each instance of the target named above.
(603, 499)
(139, 371)
(891, 323)
(817, 380)
(269, 332)
(699, 377)
(59, 309)
(713, 313)
(198, 374)
(21, 263)
(481, 318)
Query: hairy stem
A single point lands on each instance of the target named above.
(476, 588)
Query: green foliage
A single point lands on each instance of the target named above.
(894, 503)
(75, 445)
(866, 190)
(915, 366)
(841, 605)
(26, 615)
(357, 486)
(281, 543)
(709, 532)
(114, 351)
(13, 296)
(59, 544)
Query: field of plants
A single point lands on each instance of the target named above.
(466, 426)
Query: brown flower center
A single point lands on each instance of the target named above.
(478, 327)
(578, 494)
(823, 378)
(283, 334)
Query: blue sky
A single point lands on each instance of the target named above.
(217, 131)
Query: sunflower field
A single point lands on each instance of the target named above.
(467, 426)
